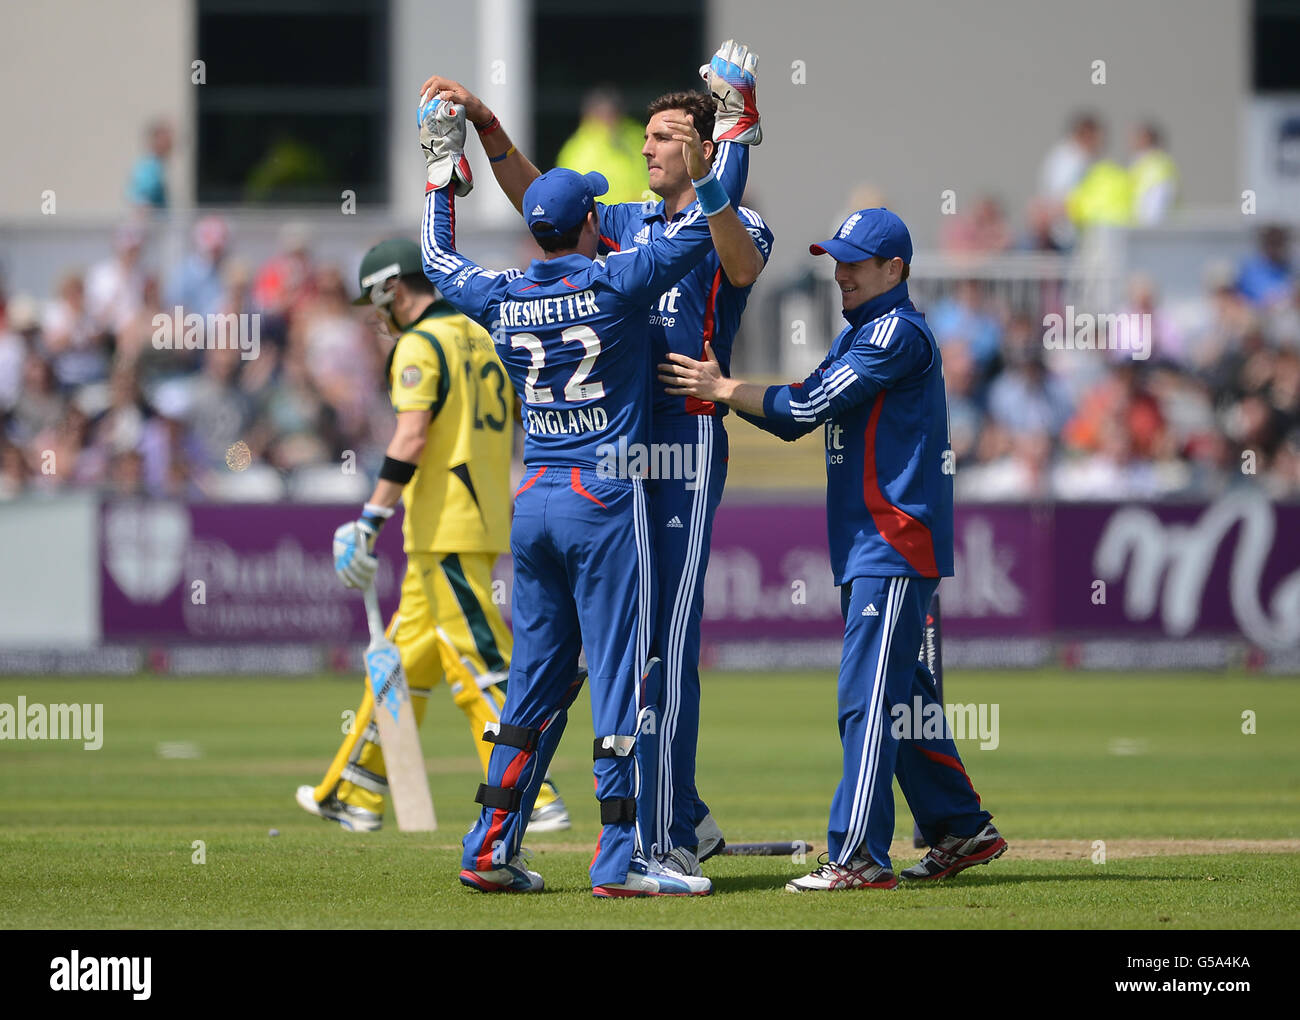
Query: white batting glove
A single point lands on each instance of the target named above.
(730, 76)
(442, 137)
(354, 558)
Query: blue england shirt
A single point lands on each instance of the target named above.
(889, 464)
(703, 304)
(571, 332)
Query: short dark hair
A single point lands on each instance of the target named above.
(418, 283)
(560, 242)
(698, 104)
(880, 260)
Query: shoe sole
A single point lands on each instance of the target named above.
(472, 880)
(893, 884)
(313, 807)
(984, 857)
(604, 893)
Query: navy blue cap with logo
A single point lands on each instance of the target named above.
(559, 199)
(866, 233)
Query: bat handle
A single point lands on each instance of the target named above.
(373, 617)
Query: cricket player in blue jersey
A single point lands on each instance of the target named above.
(688, 441)
(572, 335)
(880, 395)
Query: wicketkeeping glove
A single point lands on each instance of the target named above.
(730, 76)
(442, 137)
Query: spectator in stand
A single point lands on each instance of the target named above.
(982, 231)
(1267, 278)
(115, 286)
(1025, 398)
(199, 285)
(147, 185)
(1063, 169)
(339, 355)
(963, 317)
(286, 281)
(19, 335)
(1143, 327)
(965, 418)
(14, 471)
(1219, 321)
(1153, 175)
(39, 406)
(75, 346)
(1282, 325)
(219, 412)
(610, 142)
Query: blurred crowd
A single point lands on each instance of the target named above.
(1177, 398)
(87, 398)
(1180, 398)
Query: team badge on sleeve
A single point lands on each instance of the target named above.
(411, 376)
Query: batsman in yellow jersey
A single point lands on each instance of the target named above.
(449, 463)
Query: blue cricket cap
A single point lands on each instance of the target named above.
(559, 199)
(868, 232)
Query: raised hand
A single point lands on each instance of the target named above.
(442, 137)
(730, 77)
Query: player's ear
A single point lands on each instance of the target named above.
(709, 150)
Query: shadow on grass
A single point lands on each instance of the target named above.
(750, 883)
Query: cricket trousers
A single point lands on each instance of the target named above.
(682, 508)
(584, 579)
(884, 619)
(446, 627)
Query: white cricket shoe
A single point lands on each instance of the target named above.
(552, 818)
(354, 819)
(512, 877)
(709, 838)
(646, 877)
(680, 861)
(859, 873)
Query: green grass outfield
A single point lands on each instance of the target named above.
(1156, 766)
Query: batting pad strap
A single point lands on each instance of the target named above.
(499, 797)
(511, 736)
(613, 746)
(617, 810)
(364, 778)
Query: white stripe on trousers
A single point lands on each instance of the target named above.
(868, 765)
(678, 627)
(645, 584)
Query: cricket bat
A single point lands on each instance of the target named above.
(932, 655)
(399, 738)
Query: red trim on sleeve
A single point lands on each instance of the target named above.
(909, 537)
(575, 483)
(610, 243)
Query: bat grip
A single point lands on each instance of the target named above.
(373, 618)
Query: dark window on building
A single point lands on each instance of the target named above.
(578, 44)
(295, 106)
(1275, 39)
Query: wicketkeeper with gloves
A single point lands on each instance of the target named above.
(449, 464)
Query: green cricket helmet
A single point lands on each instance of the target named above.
(385, 261)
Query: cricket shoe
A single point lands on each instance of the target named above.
(680, 861)
(646, 877)
(552, 818)
(956, 853)
(512, 877)
(709, 838)
(354, 819)
(859, 873)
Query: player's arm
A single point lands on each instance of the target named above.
(731, 79)
(833, 388)
(648, 270)
(513, 170)
(465, 285)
